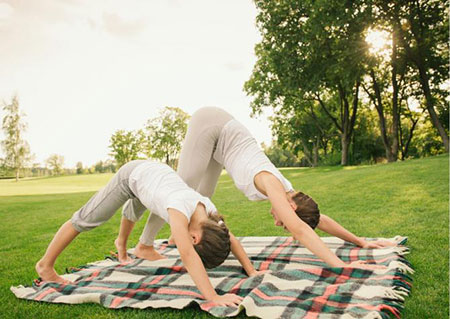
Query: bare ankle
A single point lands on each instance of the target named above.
(43, 264)
(120, 242)
(142, 246)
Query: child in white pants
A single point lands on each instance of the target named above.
(202, 237)
(214, 140)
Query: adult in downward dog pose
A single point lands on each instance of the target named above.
(201, 235)
(214, 140)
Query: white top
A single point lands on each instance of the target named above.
(159, 188)
(239, 152)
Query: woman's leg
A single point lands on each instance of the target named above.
(209, 181)
(144, 249)
(199, 145)
(95, 212)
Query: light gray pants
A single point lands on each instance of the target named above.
(103, 205)
(196, 165)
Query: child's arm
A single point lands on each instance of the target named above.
(193, 263)
(239, 252)
(333, 228)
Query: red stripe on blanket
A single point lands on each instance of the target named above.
(262, 295)
(320, 301)
(236, 287)
(353, 254)
(45, 293)
(157, 279)
(265, 264)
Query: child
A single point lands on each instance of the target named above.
(201, 235)
(214, 140)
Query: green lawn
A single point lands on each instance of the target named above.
(407, 198)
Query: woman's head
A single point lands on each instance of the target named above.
(306, 208)
(214, 245)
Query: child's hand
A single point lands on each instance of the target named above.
(227, 300)
(378, 244)
(257, 273)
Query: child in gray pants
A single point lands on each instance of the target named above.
(202, 238)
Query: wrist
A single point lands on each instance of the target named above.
(361, 242)
(251, 272)
(210, 296)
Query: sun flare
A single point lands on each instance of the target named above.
(379, 41)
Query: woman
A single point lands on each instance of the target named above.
(201, 235)
(214, 140)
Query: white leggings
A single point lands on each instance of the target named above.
(196, 165)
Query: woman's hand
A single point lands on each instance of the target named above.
(362, 264)
(378, 244)
(227, 300)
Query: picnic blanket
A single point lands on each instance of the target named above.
(296, 285)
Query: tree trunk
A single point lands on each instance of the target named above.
(377, 101)
(307, 154)
(345, 142)
(316, 152)
(17, 175)
(430, 106)
(395, 92)
(411, 132)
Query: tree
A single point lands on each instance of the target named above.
(280, 157)
(311, 50)
(80, 168)
(126, 145)
(422, 31)
(55, 162)
(312, 132)
(16, 149)
(165, 133)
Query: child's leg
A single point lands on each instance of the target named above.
(100, 208)
(46, 266)
(126, 226)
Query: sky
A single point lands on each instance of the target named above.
(84, 69)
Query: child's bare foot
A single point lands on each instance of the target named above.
(48, 273)
(122, 251)
(147, 252)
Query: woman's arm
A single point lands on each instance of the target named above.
(193, 263)
(239, 252)
(333, 228)
(269, 184)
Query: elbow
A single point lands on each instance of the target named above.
(299, 228)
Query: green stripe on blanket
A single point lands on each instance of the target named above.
(296, 285)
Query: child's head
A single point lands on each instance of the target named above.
(214, 245)
(306, 208)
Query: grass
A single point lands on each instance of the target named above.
(407, 198)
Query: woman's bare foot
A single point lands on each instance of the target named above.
(147, 252)
(122, 251)
(48, 273)
(171, 241)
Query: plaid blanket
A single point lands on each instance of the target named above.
(296, 285)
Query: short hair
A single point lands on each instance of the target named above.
(307, 209)
(214, 246)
